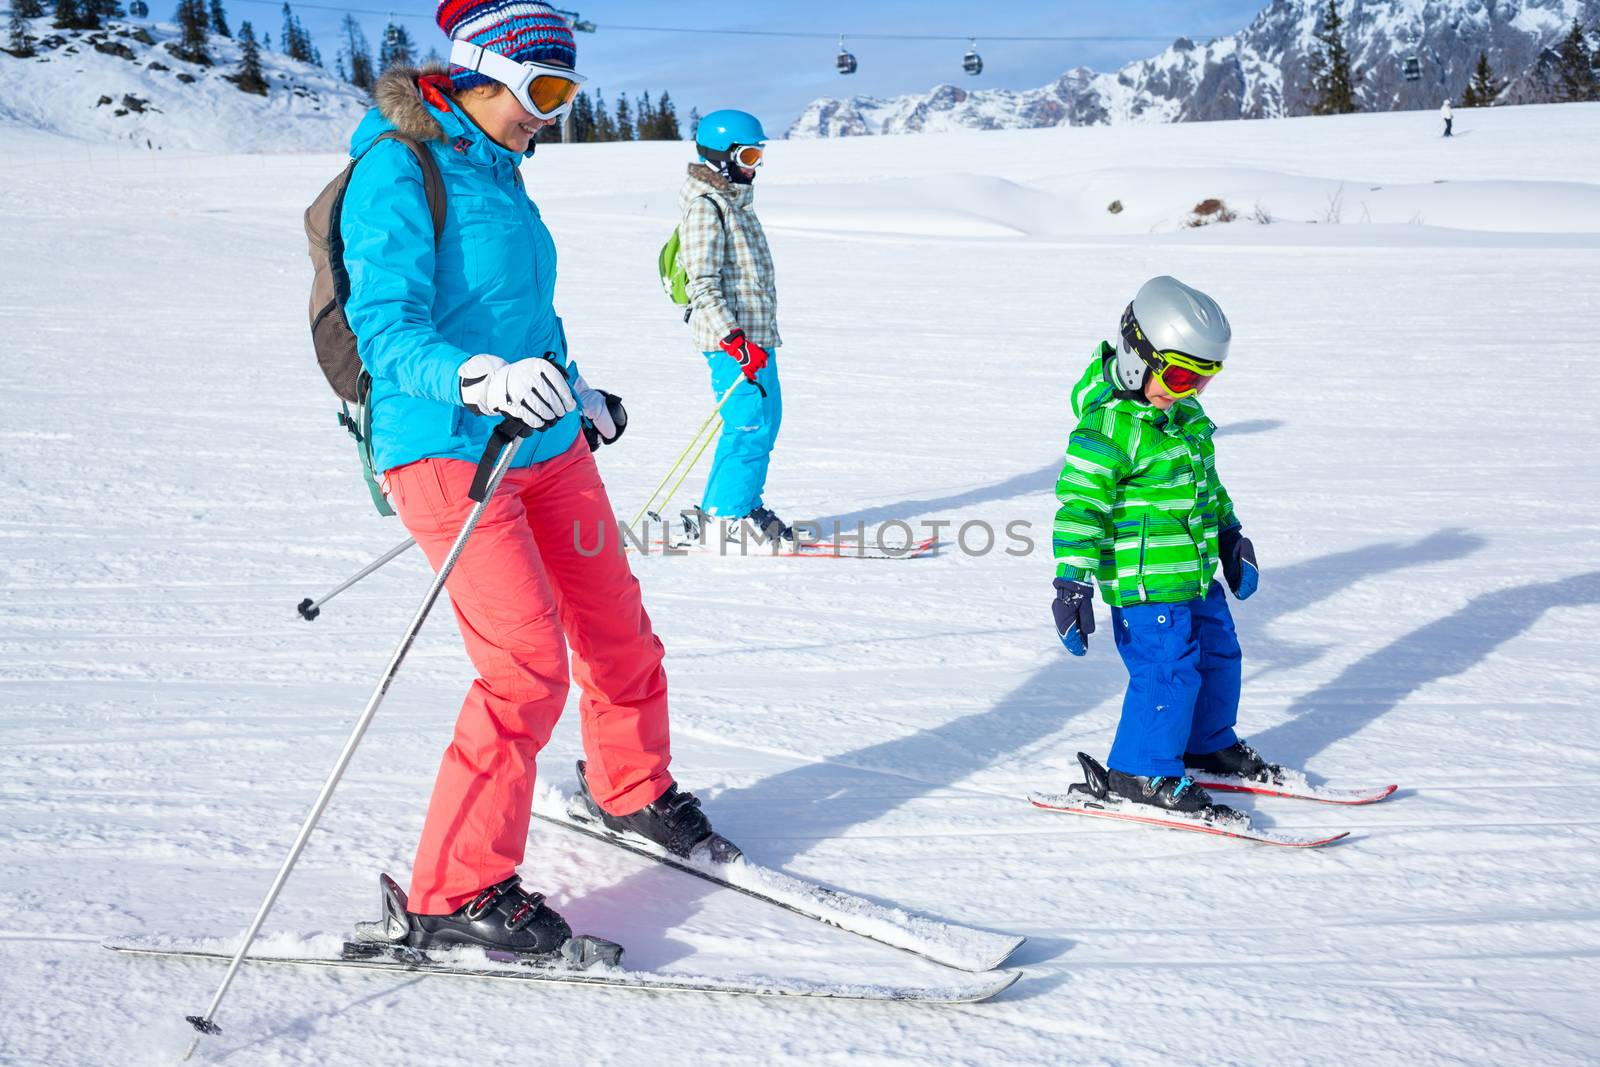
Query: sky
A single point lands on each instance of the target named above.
(776, 77)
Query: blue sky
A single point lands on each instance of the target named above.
(776, 77)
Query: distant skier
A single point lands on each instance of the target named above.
(457, 334)
(734, 315)
(1144, 514)
(1448, 116)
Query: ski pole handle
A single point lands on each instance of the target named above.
(509, 429)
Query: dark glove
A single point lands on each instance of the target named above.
(750, 356)
(1074, 611)
(1238, 562)
(608, 414)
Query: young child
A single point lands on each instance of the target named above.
(1143, 513)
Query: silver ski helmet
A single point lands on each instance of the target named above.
(1166, 317)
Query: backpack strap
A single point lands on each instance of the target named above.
(432, 180)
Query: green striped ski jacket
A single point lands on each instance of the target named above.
(1141, 503)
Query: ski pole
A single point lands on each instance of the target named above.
(712, 436)
(309, 609)
(716, 413)
(497, 457)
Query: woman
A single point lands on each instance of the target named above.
(457, 335)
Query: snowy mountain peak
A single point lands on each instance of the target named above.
(1259, 72)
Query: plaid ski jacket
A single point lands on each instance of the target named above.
(731, 281)
(1141, 503)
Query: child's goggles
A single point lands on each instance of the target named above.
(545, 92)
(1183, 375)
(747, 156)
(1180, 374)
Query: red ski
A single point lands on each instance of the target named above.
(1112, 808)
(1293, 785)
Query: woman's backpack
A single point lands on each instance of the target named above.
(331, 336)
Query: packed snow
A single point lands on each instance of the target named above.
(1407, 430)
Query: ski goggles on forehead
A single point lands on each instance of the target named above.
(544, 91)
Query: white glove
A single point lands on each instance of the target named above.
(595, 409)
(531, 390)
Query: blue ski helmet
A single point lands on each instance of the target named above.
(721, 130)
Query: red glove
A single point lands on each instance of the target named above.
(750, 356)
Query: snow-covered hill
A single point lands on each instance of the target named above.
(1259, 72)
(1406, 427)
(123, 85)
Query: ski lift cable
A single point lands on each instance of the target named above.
(1102, 38)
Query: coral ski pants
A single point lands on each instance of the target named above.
(522, 591)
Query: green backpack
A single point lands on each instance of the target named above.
(674, 279)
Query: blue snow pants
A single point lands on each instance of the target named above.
(1183, 665)
(749, 430)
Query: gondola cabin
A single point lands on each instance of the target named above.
(846, 63)
(1412, 69)
(972, 62)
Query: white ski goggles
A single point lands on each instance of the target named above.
(544, 91)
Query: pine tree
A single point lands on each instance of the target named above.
(295, 41)
(644, 119)
(18, 43)
(624, 119)
(1575, 76)
(72, 15)
(27, 9)
(604, 128)
(104, 9)
(193, 22)
(358, 54)
(1333, 83)
(667, 117)
(219, 20)
(397, 49)
(1484, 88)
(250, 79)
(582, 119)
(694, 123)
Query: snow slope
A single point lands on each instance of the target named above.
(1407, 430)
(80, 85)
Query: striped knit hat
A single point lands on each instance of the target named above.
(521, 30)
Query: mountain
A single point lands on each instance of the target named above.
(1258, 72)
(122, 84)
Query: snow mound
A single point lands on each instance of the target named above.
(123, 85)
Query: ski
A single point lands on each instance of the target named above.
(1291, 784)
(1115, 808)
(801, 550)
(468, 964)
(947, 943)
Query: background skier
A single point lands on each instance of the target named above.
(1144, 513)
(1448, 116)
(734, 313)
(455, 338)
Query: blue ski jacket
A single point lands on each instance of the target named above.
(418, 312)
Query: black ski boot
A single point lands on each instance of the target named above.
(505, 921)
(1165, 792)
(1238, 760)
(673, 820)
(767, 523)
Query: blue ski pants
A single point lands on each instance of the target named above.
(1183, 665)
(749, 430)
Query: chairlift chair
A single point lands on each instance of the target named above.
(846, 63)
(972, 62)
(1413, 69)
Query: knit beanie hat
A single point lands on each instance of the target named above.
(521, 30)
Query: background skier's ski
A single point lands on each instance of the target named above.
(1084, 804)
